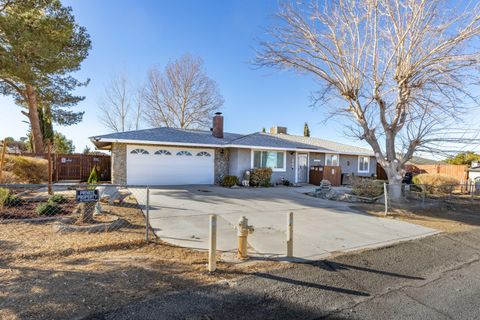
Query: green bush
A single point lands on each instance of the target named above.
(93, 177)
(49, 209)
(230, 181)
(435, 183)
(13, 201)
(58, 198)
(7, 199)
(27, 169)
(260, 177)
(367, 187)
(4, 194)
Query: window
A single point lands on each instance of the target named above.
(203, 154)
(363, 164)
(163, 152)
(139, 151)
(184, 153)
(269, 159)
(331, 159)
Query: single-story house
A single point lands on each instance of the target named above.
(474, 172)
(172, 156)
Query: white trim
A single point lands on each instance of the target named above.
(296, 167)
(333, 154)
(186, 144)
(284, 169)
(368, 164)
(163, 143)
(193, 145)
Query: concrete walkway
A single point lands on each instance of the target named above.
(179, 215)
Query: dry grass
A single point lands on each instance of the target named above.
(27, 169)
(445, 218)
(57, 276)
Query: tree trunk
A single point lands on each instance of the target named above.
(38, 146)
(395, 179)
(86, 212)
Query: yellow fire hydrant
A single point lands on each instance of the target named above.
(243, 230)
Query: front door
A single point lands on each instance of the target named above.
(302, 175)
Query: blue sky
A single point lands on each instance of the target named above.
(132, 36)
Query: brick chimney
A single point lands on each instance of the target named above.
(217, 129)
(277, 130)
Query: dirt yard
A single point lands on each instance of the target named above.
(45, 274)
(445, 217)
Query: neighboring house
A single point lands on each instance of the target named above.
(170, 156)
(474, 172)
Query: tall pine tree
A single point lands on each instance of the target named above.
(306, 130)
(40, 46)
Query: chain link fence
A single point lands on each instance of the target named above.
(455, 196)
(38, 220)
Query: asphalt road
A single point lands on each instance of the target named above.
(432, 278)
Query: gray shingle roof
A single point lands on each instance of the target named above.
(172, 135)
(325, 145)
(201, 137)
(266, 140)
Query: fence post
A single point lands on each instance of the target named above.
(472, 190)
(2, 159)
(290, 235)
(385, 193)
(212, 244)
(147, 215)
(49, 148)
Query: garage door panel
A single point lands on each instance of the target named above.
(173, 169)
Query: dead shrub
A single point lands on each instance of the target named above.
(27, 169)
(367, 187)
(435, 183)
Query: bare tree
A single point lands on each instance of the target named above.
(182, 96)
(120, 107)
(399, 70)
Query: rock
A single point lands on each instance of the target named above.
(61, 227)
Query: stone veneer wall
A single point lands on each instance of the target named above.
(221, 164)
(119, 163)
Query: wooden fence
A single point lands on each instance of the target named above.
(330, 173)
(76, 166)
(453, 170)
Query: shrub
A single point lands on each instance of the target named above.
(286, 182)
(230, 181)
(13, 201)
(7, 199)
(49, 209)
(93, 177)
(58, 198)
(367, 187)
(27, 169)
(260, 177)
(435, 183)
(4, 194)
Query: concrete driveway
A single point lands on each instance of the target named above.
(179, 215)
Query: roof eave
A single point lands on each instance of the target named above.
(105, 144)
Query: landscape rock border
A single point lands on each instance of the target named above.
(116, 224)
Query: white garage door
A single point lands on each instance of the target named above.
(169, 166)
